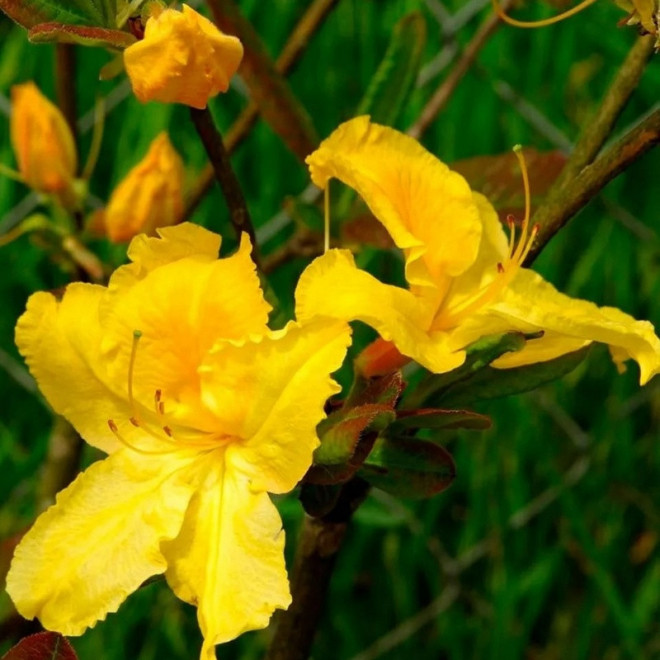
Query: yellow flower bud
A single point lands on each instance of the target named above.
(183, 58)
(42, 141)
(149, 196)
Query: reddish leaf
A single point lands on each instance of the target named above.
(499, 179)
(435, 418)
(384, 390)
(42, 646)
(80, 34)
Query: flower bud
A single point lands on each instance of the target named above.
(149, 196)
(42, 141)
(183, 58)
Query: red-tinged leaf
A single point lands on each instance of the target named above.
(499, 179)
(366, 230)
(80, 34)
(346, 439)
(42, 646)
(438, 419)
(28, 13)
(384, 390)
(407, 467)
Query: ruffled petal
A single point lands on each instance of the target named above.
(61, 344)
(173, 244)
(271, 393)
(182, 309)
(99, 542)
(427, 208)
(530, 303)
(228, 559)
(333, 286)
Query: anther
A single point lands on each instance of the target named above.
(500, 267)
(113, 427)
(134, 421)
(167, 430)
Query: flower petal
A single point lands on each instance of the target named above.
(272, 393)
(182, 309)
(229, 557)
(333, 286)
(99, 542)
(60, 342)
(530, 303)
(427, 208)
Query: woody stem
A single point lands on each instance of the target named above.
(224, 174)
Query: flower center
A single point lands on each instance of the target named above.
(451, 315)
(170, 435)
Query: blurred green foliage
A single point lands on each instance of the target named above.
(546, 545)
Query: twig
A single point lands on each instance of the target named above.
(448, 86)
(291, 53)
(65, 82)
(301, 244)
(318, 546)
(224, 174)
(558, 210)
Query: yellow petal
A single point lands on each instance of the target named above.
(98, 543)
(182, 309)
(183, 58)
(228, 558)
(174, 243)
(61, 344)
(427, 208)
(333, 286)
(271, 393)
(530, 304)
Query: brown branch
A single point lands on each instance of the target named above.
(555, 213)
(65, 83)
(450, 83)
(291, 53)
(318, 546)
(224, 174)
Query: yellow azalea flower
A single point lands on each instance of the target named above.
(150, 195)
(183, 58)
(42, 141)
(203, 410)
(466, 278)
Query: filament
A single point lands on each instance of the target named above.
(543, 22)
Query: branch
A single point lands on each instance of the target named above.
(65, 83)
(556, 212)
(224, 174)
(318, 546)
(450, 83)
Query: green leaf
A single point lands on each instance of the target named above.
(438, 419)
(393, 81)
(346, 439)
(91, 13)
(407, 467)
(83, 35)
(385, 390)
(491, 383)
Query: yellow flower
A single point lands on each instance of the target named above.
(183, 58)
(42, 141)
(465, 277)
(150, 195)
(203, 411)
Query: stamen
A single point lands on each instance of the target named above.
(525, 223)
(543, 22)
(168, 430)
(129, 445)
(159, 405)
(326, 218)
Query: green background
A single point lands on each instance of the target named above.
(546, 544)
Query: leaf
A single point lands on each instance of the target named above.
(407, 467)
(499, 178)
(42, 646)
(438, 419)
(318, 499)
(30, 13)
(385, 390)
(393, 81)
(491, 383)
(268, 88)
(346, 439)
(77, 34)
